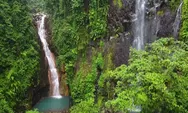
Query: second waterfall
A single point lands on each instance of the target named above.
(53, 74)
(139, 25)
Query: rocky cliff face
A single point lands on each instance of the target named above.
(159, 18)
(159, 22)
(42, 88)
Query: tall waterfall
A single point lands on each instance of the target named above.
(177, 21)
(139, 26)
(52, 67)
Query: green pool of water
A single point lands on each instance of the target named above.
(53, 104)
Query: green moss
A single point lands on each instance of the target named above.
(108, 61)
(72, 31)
(160, 13)
(118, 3)
(83, 83)
(101, 44)
(184, 29)
(119, 29)
(85, 68)
(174, 4)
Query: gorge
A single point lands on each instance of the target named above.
(146, 26)
(53, 74)
(93, 56)
(54, 100)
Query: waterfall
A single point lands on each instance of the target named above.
(139, 26)
(52, 67)
(177, 22)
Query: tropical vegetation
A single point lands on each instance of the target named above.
(153, 81)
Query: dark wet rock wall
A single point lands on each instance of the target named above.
(159, 22)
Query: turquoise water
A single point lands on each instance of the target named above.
(53, 104)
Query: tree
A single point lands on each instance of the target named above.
(184, 29)
(155, 80)
(19, 55)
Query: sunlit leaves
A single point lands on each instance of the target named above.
(77, 3)
(98, 21)
(33, 111)
(86, 106)
(19, 58)
(184, 29)
(155, 79)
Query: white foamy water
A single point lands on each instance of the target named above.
(52, 67)
(177, 22)
(139, 26)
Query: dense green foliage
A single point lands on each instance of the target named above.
(184, 29)
(174, 4)
(86, 106)
(155, 79)
(83, 86)
(74, 26)
(19, 58)
(36, 5)
(76, 23)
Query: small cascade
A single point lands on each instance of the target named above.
(48, 54)
(177, 22)
(156, 21)
(139, 27)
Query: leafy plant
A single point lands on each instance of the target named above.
(87, 106)
(184, 29)
(74, 28)
(33, 111)
(174, 4)
(155, 80)
(19, 63)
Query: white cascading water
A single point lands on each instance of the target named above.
(177, 21)
(48, 54)
(139, 26)
(139, 32)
